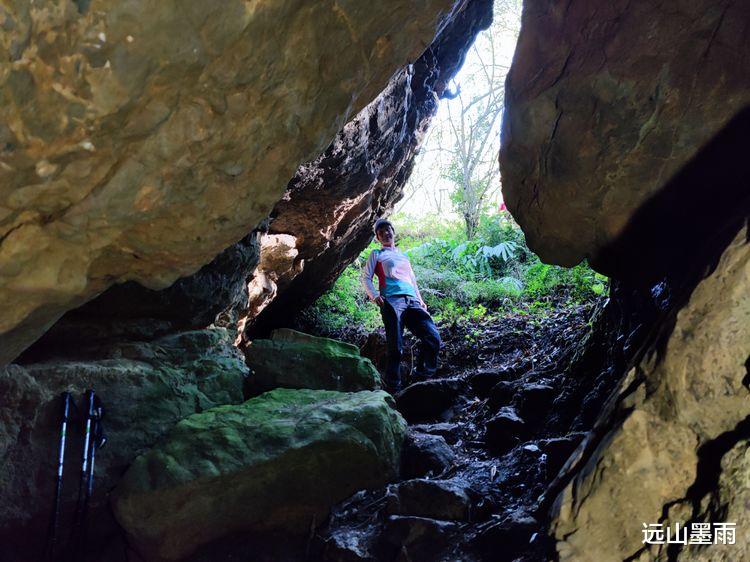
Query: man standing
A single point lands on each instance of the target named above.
(400, 305)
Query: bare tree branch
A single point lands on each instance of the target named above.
(460, 158)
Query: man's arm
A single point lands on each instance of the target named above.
(367, 272)
(416, 288)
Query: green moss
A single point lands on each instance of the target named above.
(272, 463)
(295, 360)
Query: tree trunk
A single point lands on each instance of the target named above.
(472, 223)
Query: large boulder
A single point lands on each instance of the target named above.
(332, 202)
(132, 312)
(675, 449)
(146, 388)
(138, 140)
(190, 302)
(276, 463)
(291, 359)
(437, 499)
(605, 104)
(428, 400)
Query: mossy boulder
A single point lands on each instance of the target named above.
(292, 359)
(275, 464)
(146, 388)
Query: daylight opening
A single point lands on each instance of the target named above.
(468, 254)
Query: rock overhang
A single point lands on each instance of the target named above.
(137, 144)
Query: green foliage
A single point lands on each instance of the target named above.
(489, 255)
(579, 283)
(346, 303)
(469, 196)
(415, 230)
(463, 279)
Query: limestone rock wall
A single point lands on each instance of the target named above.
(146, 388)
(332, 202)
(139, 140)
(133, 312)
(676, 450)
(280, 264)
(624, 142)
(606, 102)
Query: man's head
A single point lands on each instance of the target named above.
(384, 232)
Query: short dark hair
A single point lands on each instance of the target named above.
(382, 223)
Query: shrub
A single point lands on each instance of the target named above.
(580, 282)
(460, 278)
(346, 304)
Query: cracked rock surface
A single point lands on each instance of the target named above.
(677, 451)
(605, 103)
(139, 140)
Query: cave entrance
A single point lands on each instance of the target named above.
(511, 326)
(469, 255)
(456, 179)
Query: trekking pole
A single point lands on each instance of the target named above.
(51, 545)
(75, 537)
(98, 440)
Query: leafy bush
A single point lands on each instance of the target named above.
(478, 258)
(346, 304)
(580, 282)
(463, 279)
(494, 291)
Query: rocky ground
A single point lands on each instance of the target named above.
(486, 438)
(519, 408)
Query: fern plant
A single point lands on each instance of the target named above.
(506, 250)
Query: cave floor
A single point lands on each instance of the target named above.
(512, 421)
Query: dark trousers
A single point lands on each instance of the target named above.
(400, 311)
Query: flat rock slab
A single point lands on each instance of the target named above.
(425, 454)
(502, 394)
(448, 431)
(292, 359)
(510, 535)
(483, 380)
(428, 400)
(438, 499)
(274, 464)
(503, 430)
(414, 538)
(534, 401)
